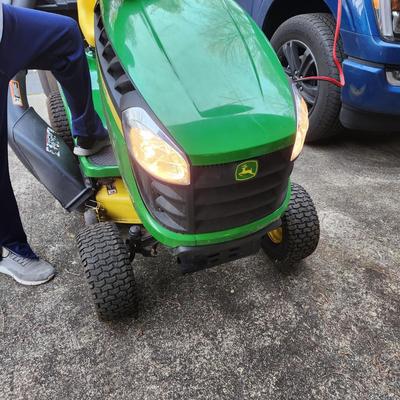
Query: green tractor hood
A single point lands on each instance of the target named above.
(207, 72)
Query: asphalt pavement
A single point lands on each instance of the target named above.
(240, 331)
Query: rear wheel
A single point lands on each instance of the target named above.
(304, 45)
(58, 118)
(108, 270)
(298, 236)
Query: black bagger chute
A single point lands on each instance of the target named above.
(42, 151)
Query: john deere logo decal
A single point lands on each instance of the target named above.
(246, 170)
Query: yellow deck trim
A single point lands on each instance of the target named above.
(86, 19)
(116, 202)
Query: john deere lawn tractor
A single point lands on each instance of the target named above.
(205, 128)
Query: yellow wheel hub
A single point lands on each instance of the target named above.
(276, 236)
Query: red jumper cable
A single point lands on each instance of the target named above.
(334, 81)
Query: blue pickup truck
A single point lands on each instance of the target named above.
(302, 34)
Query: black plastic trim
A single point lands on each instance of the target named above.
(365, 62)
(352, 118)
(193, 259)
(115, 78)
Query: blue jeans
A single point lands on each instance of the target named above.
(38, 40)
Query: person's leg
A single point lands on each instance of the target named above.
(36, 40)
(51, 42)
(12, 233)
(41, 40)
(16, 257)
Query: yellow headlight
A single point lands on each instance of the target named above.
(303, 124)
(153, 150)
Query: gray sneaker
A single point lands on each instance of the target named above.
(25, 270)
(86, 147)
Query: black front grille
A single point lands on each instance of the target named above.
(215, 201)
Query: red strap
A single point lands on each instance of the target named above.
(334, 81)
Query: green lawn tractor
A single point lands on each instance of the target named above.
(205, 128)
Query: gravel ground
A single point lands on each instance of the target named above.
(239, 331)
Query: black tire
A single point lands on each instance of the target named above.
(300, 232)
(108, 270)
(58, 118)
(317, 32)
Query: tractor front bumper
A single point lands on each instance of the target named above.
(193, 259)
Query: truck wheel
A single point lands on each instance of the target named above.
(298, 236)
(304, 45)
(108, 270)
(58, 118)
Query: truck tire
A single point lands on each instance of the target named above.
(299, 234)
(108, 270)
(58, 118)
(309, 38)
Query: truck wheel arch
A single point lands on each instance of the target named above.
(279, 11)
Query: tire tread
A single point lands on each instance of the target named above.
(108, 270)
(301, 231)
(58, 118)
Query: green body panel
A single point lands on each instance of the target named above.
(208, 73)
(91, 170)
(163, 235)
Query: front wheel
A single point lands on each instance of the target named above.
(298, 236)
(108, 270)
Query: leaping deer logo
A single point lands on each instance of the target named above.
(246, 170)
